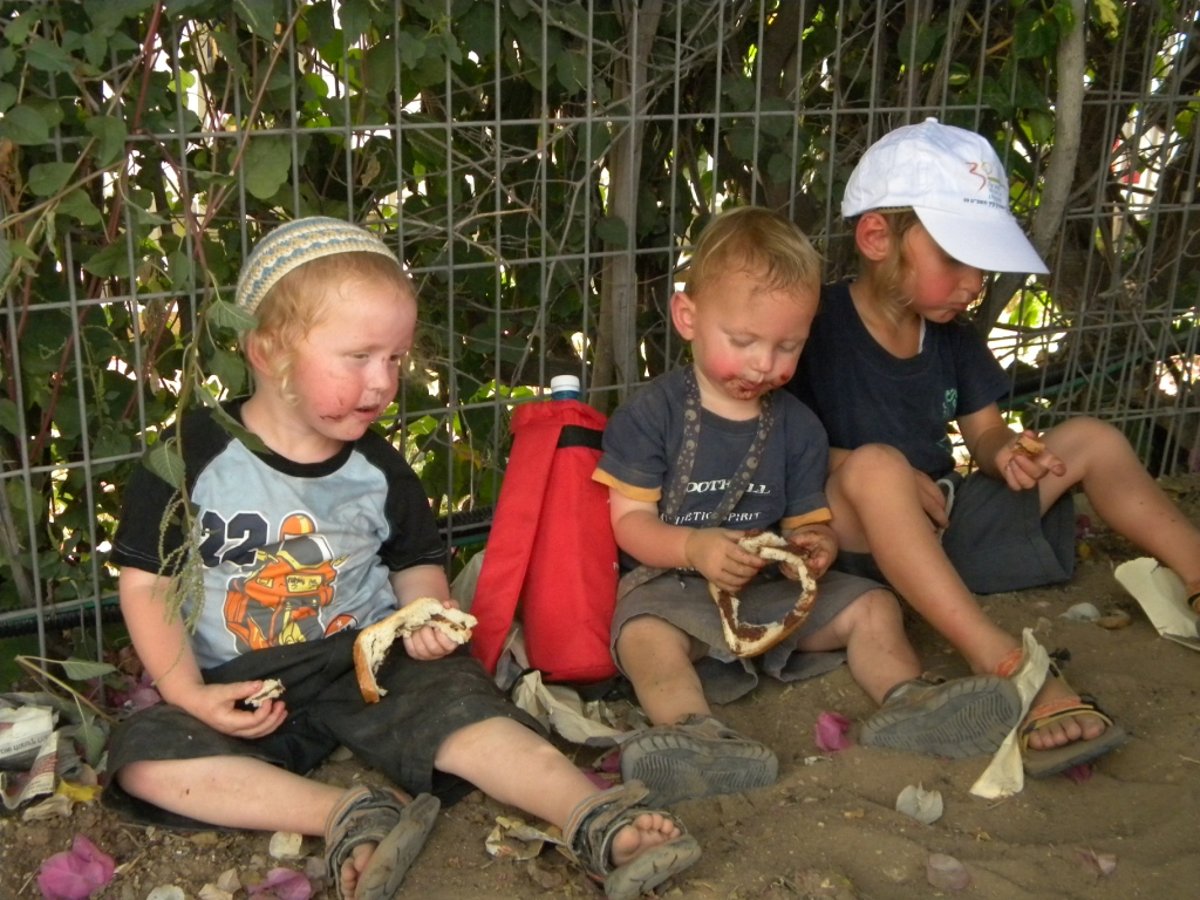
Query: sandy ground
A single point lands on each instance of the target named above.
(829, 827)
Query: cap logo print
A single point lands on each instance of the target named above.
(982, 171)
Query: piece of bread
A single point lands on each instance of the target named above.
(1030, 446)
(746, 639)
(271, 689)
(373, 642)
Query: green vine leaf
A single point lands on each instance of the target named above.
(111, 260)
(260, 17)
(224, 314)
(93, 736)
(25, 125)
(107, 15)
(230, 369)
(110, 134)
(163, 460)
(266, 163)
(613, 231)
(47, 56)
(10, 417)
(79, 206)
(238, 430)
(47, 179)
(86, 670)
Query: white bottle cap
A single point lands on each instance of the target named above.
(564, 385)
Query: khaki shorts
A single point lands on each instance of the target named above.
(683, 601)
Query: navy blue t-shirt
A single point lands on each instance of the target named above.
(863, 394)
(642, 447)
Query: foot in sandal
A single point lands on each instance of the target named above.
(1063, 728)
(627, 847)
(372, 837)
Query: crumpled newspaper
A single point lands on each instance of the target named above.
(1005, 774)
(515, 839)
(36, 751)
(594, 723)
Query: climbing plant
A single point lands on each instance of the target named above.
(540, 167)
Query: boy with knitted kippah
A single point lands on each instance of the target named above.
(314, 531)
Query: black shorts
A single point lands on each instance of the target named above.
(399, 736)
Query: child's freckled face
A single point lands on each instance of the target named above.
(746, 336)
(346, 370)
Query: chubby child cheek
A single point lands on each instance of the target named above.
(727, 366)
(336, 395)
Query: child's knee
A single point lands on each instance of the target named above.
(645, 638)
(877, 609)
(873, 611)
(871, 462)
(140, 779)
(1084, 436)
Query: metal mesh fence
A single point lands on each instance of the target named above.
(542, 168)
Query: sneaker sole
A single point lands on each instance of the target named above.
(970, 717)
(676, 766)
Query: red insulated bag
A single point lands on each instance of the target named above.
(551, 551)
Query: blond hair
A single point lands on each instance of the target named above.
(754, 239)
(306, 296)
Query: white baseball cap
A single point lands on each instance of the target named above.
(953, 180)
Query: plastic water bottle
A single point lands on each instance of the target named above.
(565, 387)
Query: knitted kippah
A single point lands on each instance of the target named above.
(295, 243)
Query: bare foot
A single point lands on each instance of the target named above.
(650, 829)
(1084, 726)
(353, 867)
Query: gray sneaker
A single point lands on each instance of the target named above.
(699, 757)
(964, 717)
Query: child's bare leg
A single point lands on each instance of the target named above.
(1102, 462)
(233, 792)
(657, 658)
(241, 792)
(517, 767)
(875, 503)
(877, 509)
(871, 629)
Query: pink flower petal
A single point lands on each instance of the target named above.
(77, 873)
(142, 697)
(830, 732)
(1080, 773)
(610, 762)
(283, 884)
